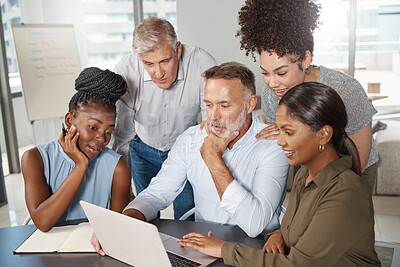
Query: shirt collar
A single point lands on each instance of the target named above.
(329, 172)
(248, 135)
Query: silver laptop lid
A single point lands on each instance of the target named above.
(126, 239)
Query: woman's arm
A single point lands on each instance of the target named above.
(363, 140)
(46, 209)
(121, 184)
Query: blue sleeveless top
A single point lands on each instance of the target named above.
(96, 184)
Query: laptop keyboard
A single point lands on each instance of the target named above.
(177, 261)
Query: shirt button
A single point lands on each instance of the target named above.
(165, 121)
(165, 135)
(165, 105)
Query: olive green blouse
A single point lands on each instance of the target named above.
(329, 222)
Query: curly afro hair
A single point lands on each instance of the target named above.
(284, 27)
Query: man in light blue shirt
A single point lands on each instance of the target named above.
(236, 178)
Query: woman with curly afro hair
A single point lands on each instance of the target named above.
(281, 32)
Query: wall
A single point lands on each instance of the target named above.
(212, 25)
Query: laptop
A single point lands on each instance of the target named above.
(139, 243)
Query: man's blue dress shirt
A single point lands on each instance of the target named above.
(252, 201)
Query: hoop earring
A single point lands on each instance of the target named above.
(308, 70)
(321, 148)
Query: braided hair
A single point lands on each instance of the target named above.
(99, 87)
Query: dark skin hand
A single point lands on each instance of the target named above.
(276, 244)
(46, 209)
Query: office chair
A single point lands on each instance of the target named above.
(27, 220)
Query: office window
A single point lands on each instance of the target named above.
(109, 26)
(149, 14)
(170, 16)
(13, 2)
(378, 50)
(11, 13)
(15, 20)
(377, 59)
(95, 18)
(118, 17)
(161, 8)
(331, 38)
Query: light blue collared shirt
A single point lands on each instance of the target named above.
(252, 201)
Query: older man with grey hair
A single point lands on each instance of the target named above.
(164, 98)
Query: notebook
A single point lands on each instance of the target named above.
(60, 239)
(138, 243)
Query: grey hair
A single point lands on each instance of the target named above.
(151, 33)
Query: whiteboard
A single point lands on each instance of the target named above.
(49, 63)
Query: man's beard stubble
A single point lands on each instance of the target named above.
(233, 126)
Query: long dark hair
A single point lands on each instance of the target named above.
(317, 105)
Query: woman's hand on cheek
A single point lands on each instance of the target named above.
(205, 244)
(70, 147)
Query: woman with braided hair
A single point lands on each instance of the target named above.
(79, 166)
(281, 32)
(329, 220)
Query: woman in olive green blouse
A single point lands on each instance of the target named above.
(329, 220)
